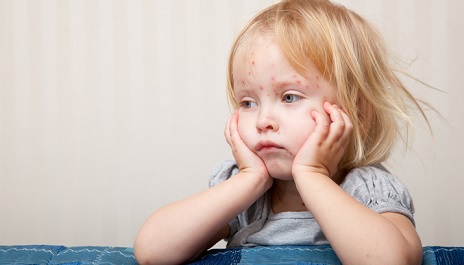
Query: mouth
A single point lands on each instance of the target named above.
(267, 145)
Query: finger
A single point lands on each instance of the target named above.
(338, 124)
(322, 125)
(235, 139)
(227, 130)
(348, 125)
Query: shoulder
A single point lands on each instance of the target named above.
(371, 179)
(378, 189)
(223, 171)
(369, 175)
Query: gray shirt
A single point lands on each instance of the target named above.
(373, 186)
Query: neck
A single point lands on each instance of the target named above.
(285, 197)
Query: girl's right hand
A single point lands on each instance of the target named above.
(247, 160)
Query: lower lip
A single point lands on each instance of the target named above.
(270, 149)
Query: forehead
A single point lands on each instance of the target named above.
(261, 60)
(263, 65)
(263, 55)
(262, 51)
(249, 46)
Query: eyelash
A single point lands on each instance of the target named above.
(244, 104)
(295, 97)
(249, 103)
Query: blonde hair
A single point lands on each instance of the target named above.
(350, 53)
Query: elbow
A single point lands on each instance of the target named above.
(414, 256)
(412, 252)
(392, 254)
(404, 256)
(408, 255)
(394, 259)
(147, 253)
(144, 256)
(406, 259)
(149, 256)
(152, 254)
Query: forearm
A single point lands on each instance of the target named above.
(357, 234)
(177, 232)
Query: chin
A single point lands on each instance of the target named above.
(281, 171)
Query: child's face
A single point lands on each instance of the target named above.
(275, 103)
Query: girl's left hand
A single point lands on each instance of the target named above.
(325, 147)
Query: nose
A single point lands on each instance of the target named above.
(266, 122)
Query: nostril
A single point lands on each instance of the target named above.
(266, 124)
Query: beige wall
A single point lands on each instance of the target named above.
(110, 109)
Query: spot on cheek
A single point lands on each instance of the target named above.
(298, 82)
(253, 62)
(261, 87)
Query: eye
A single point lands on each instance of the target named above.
(290, 98)
(247, 104)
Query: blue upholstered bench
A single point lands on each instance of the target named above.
(301, 255)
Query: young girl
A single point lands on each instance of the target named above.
(317, 108)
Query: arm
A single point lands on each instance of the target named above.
(181, 231)
(357, 234)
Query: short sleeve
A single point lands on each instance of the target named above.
(223, 171)
(379, 190)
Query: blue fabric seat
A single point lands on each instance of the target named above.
(61, 255)
(312, 255)
(300, 255)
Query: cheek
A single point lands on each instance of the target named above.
(245, 130)
(300, 130)
(303, 132)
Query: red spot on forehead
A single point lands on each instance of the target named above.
(261, 87)
(253, 62)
